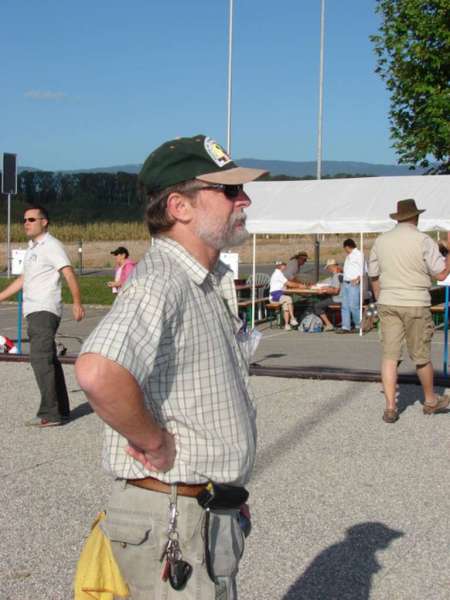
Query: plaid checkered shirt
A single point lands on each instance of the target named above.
(173, 327)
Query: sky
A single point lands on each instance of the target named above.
(100, 83)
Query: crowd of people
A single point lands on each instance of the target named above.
(341, 287)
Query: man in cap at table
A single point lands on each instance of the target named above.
(402, 265)
(165, 371)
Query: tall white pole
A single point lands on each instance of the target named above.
(319, 127)
(320, 115)
(230, 74)
(253, 280)
(361, 285)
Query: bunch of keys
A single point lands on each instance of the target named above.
(175, 569)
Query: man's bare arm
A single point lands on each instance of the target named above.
(72, 282)
(12, 288)
(116, 397)
(375, 286)
(292, 284)
(445, 273)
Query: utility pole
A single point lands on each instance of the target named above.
(319, 128)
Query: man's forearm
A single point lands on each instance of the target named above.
(118, 400)
(375, 287)
(12, 289)
(72, 283)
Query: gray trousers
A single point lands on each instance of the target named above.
(42, 327)
(136, 523)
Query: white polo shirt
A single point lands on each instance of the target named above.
(277, 281)
(41, 275)
(353, 264)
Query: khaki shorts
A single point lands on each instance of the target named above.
(410, 324)
(285, 301)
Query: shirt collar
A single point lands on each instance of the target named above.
(33, 244)
(197, 272)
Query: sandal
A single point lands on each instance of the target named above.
(390, 415)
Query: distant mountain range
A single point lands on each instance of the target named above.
(284, 167)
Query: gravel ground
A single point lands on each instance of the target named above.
(345, 507)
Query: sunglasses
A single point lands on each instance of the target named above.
(230, 191)
(32, 219)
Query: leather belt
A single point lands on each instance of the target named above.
(183, 489)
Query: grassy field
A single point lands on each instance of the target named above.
(91, 232)
(93, 290)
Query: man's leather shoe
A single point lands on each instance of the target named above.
(441, 404)
(43, 422)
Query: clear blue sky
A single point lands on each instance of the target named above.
(101, 83)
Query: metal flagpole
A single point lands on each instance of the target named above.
(230, 72)
(320, 117)
(319, 127)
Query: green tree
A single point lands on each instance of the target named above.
(413, 58)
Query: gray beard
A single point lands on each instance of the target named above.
(227, 237)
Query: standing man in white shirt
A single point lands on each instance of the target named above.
(351, 287)
(44, 262)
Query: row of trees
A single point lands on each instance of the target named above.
(80, 197)
(86, 197)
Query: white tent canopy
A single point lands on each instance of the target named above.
(356, 205)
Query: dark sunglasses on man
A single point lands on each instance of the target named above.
(32, 219)
(230, 191)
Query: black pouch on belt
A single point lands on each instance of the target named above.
(222, 496)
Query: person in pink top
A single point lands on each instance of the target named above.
(124, 266)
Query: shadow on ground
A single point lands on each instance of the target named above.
(344, 571)
(82, 410)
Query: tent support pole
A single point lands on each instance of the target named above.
(361, 285)
(253, 280)
(445, 367)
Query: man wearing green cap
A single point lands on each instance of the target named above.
(166, 373)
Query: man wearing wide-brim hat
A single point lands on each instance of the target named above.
(402, 265)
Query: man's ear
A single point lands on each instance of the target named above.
(179, 207)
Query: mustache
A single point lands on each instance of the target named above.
(238, 218)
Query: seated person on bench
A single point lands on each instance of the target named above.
(333, 291)
(278, 284)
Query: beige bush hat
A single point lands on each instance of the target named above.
(330, 262)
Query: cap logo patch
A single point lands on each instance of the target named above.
(216, 152)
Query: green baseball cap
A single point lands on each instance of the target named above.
(198, 157)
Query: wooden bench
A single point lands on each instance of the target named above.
(274, 312)
(437, 312)
(246, 305)
(335, 310)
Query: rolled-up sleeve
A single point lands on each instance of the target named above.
(433, 258)
(131, 333)
(374, 267)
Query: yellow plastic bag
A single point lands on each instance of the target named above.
(98, 576)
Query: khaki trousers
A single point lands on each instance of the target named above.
(136, 523)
